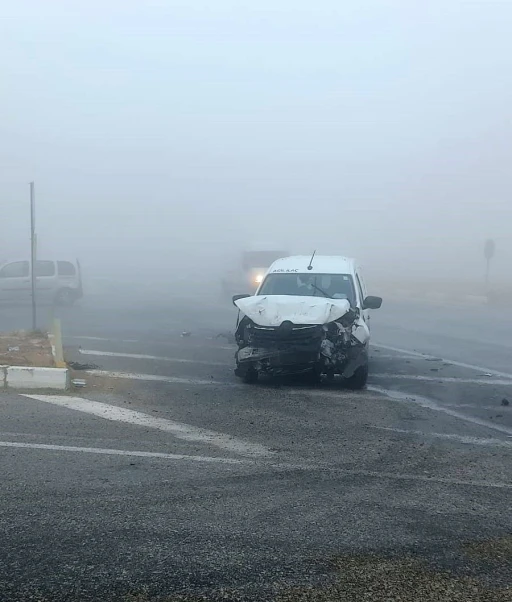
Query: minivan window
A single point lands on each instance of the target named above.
(334, 286)
(17, 269)
(66, 268)
(45, 268)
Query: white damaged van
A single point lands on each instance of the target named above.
(309, 315)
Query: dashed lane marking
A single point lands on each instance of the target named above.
(122, 452)
(431, 404)
(454, 362)
(444, 379)
(210, 460)
(163, 379)
(180, 430)
(486, 442)
(143, 356)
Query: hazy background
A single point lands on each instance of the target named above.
(162, 136)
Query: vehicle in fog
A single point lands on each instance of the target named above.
(253, 266)
(309, 315)
(57, 281)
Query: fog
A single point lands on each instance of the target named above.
(165, 136)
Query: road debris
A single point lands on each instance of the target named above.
(79, 366)
(10, 349)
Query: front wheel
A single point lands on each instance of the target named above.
(251, 376)
(359, 379)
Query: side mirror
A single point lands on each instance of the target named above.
(236, 297)
(372, 302)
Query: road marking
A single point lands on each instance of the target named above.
(490, 442)
(444, 379)
(163, 379)
(86, 338)
(208, 343)
(142, 356)
(212, 460)
(426, 402)
(180, 430)
(454, 362)
(121, 452)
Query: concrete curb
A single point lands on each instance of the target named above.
(35, 377)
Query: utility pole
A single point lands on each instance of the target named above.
(33, 253)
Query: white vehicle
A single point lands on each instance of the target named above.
(57, 281)
(309, 315)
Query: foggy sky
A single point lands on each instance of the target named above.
(179, 129)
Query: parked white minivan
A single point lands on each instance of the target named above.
(309, 315)
(57, 281)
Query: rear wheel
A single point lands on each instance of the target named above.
(359, 379)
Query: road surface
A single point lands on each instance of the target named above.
(166, 476)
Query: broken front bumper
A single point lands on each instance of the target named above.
(276, 361)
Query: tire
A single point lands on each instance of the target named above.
(65, 297)
(359, 379)
(313, 377)
(250, 377)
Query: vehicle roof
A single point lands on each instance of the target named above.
(322, 264)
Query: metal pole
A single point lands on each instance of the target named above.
(33, 254)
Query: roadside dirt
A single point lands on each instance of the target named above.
(26, 348)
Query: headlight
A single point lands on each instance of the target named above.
(258, 279)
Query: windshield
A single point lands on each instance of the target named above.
(333, 286)
(261, 259)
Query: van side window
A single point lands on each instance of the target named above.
(45, 268)
(360, 288)
(17, 269)
(66, 268)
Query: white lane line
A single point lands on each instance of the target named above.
(163, 379)
(454, 362)
(444, 379)
(122, 452)
(392, 476)
(180, 430)
(213, 460)
(426, 402)
(488, 442)
(209, 344)
(142, 356)
(85, 338)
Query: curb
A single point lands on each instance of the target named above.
(31, 377)
(34, 377)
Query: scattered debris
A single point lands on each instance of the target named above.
(505, 402)
(79, 366)
(13, 349)
(78, 382)
(185, 333)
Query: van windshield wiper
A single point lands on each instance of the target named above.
(320, 291)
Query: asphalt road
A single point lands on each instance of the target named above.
(166, 476)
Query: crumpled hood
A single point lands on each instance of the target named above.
(273, 310)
